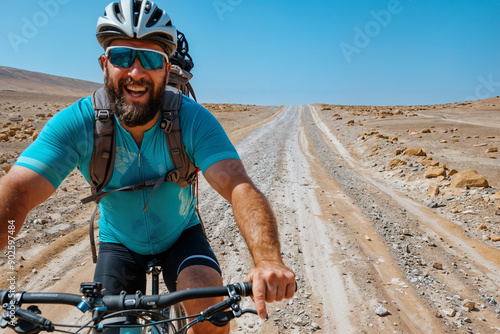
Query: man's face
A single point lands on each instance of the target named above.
(135, 94)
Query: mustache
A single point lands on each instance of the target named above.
(130, 81)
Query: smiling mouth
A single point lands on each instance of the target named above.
(136, 91)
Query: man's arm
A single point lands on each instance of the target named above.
(20, 191)
(272, 280)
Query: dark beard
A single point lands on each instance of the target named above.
(134, 114)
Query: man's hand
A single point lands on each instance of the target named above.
(272, 281)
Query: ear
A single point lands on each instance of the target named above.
(103, 61)
(169, 66)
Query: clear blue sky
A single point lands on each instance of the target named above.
(380, 52)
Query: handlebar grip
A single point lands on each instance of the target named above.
(244, 289)
(247, 289)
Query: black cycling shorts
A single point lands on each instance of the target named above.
(120, 269)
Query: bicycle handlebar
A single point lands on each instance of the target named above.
(123, 301)
(30, 321)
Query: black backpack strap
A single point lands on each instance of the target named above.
(184, 172)
(103, 157)
(91, 235)
(191, 90)
(102, 160)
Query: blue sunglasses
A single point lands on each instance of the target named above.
(124, 56)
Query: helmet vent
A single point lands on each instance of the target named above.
(118, 12)
(136, 9)
(155, 17)
(136, 19)
(147, 7)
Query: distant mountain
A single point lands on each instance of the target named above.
(13, 79)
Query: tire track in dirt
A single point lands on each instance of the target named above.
(408, 314)
(455, 244)
(263, 167)
(317, 246)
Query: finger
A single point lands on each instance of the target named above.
(285, 286)
(280, 291)
(290, 290)
(271, 292)
(292, 286)
(259, 296)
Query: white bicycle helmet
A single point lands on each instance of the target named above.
(137, 19)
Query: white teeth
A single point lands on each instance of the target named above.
(136, 89)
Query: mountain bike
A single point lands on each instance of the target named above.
(125, 313)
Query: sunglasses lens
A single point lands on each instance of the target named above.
(124, 57)
(151, 60)
(121, 57)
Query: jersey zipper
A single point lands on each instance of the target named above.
(145, 199)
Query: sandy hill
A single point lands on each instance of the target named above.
(13, 79)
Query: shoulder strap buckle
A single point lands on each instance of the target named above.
(166, 125)
(102, 114)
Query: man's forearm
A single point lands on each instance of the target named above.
(272, 280)
(257, 223)
(20, 191)
(12, 212)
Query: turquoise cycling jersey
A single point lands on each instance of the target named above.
(66, 142)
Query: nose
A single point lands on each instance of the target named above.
(136, 71)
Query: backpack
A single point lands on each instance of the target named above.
(102, 160)
(182, 64)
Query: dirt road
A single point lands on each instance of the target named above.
(362, 236)
(329, 235)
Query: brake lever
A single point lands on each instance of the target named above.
(249, 310)
(30, 321)
(220, 306)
